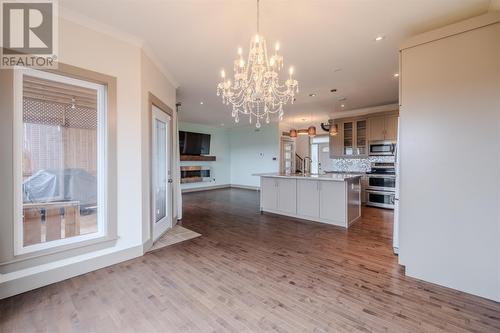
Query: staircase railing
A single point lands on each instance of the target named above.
(299, 163)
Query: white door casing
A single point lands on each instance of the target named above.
(161, 153)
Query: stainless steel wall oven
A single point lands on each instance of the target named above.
(381, 187)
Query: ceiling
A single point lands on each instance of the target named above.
(331, 44)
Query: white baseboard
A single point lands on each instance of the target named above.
(246, 187)
(205, 188)
(217, 187)
(36, 280)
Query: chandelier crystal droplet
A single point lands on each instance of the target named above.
(256, 90)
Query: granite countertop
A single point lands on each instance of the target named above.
(348, 172)
(339, 177)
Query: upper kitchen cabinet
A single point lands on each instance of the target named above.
(337, 142)
(391, 128)
(351, 139)
(355, 133)
(361, 137)
(383, 128)
(377, 128)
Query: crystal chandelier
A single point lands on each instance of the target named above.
(256, 90)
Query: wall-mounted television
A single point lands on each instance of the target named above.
(191, 143)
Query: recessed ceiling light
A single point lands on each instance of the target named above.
(312, 95)
(342, 106)
(222, 124)
(396, 75)
(342, 99)
(379, 38)
(201, 103)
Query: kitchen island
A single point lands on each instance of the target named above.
(327, 198)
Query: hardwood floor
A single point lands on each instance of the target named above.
(254, 273)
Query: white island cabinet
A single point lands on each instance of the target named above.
(332, 198)
(279, 196)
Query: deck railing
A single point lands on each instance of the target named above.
(44, 222)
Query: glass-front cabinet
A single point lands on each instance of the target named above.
(354, 138)
(348, 138)
(354, 133)
(361, 137)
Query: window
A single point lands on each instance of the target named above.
(60, 160)
(320, 139)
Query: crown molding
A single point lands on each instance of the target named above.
(365, 111)
(92, 24)
(148, 51)
(492, 17)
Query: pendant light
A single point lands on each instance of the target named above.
(293, 131)
(334, 130)
(311, 131)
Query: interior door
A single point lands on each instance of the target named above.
(287, 155)
(162, 172)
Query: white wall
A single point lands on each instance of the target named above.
(219, 147)
(156, 83)
(240, 152)
(450, 158)
(253, 151)
(86, 48)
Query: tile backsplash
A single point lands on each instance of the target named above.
(354, 164)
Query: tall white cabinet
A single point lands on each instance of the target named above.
(450, 170)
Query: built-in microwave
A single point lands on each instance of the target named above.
(382, 148)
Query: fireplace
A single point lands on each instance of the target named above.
(195, 174)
